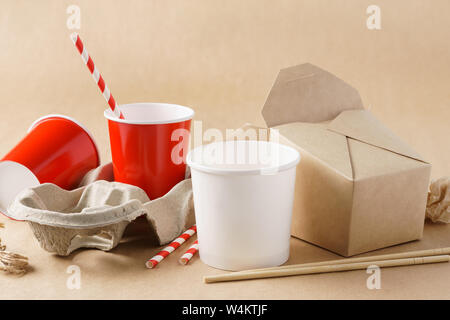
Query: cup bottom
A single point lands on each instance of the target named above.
(14, 178)
(235, 264)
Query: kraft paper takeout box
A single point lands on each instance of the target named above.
(359, 187)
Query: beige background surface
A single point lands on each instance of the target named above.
(221, 57)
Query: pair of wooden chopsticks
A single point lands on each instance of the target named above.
(382, 261)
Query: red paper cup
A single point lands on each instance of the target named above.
(149, 146)
(56, 149)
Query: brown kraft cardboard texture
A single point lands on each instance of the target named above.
(359, 187)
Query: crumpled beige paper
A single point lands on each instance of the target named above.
(438, 203)
(96, 215)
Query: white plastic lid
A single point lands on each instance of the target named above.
(243, 157)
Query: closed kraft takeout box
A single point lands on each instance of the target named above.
(359, 187)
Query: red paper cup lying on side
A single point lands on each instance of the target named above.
(56, 149)
(150, 145)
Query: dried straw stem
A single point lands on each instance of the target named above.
(12, 262)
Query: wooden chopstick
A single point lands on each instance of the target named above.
(391, 256)
(284, 272)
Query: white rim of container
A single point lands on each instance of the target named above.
(233, 171)
(189, 113)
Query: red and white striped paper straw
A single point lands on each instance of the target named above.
(187, 256)
(96, 74)
(153, 262)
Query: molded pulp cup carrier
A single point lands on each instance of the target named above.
(243, 197)
(56, 149)
(149, 146)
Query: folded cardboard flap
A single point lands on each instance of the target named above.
(321, 113)
(328, 146)
(306, 93)
(363, 126)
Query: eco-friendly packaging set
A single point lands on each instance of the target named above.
(358, 187)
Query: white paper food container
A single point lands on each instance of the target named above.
(243, 197)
